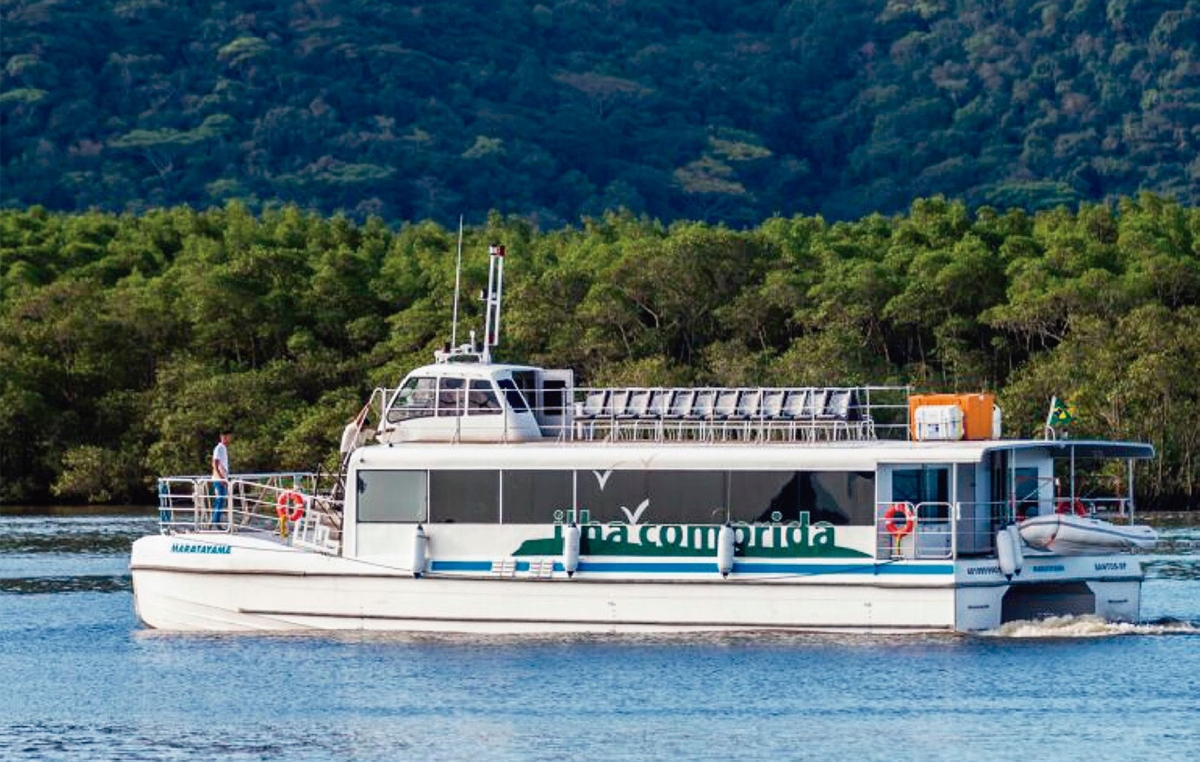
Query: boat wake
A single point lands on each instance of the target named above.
(1090, 626)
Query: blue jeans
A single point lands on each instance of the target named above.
(221, 490)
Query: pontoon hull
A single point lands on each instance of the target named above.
(247, 584)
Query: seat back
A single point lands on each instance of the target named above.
(795, 403)
(660, 402)
(703, 403)
(772, 403)
(681, 403)
(748, 403)
(726, 404)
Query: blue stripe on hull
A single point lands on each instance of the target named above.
(694, 567)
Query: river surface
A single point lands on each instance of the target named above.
(81, 679)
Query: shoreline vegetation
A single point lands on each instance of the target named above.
(128, 340)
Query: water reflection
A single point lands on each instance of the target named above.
(114, 583)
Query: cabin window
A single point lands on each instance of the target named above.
(838, 497)
(450, 396)
(513, 395)
(653, 497)
(526, 381)
(482, 399)
(464, 497)
(414, 400)
(554, 398)
(929, 485)
(391, 496)
(532, 497)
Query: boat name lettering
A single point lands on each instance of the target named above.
(983, 570)
(1111, 566)
(183, 547)
(797, 534)
(1050, 568)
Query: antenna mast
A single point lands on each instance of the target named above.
(495, 292)
(457, 280)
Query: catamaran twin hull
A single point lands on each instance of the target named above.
(206, 582)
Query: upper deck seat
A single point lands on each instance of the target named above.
(770, 412)
(700, 415)
(749, 402)
(838, 411)
(656, 411)
(796, 413)
(678, 409)
(593, 408)
(815, 411)
(617, 403)
(631, 417)
(724, 410)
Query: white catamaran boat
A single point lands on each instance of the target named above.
(487, 497)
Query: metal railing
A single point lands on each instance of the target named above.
(286, 505)
(905, 530)
(748, 414)
(655, 414)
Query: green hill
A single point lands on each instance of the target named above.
(680, 109)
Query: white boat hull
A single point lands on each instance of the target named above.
(241, 583)
(257, 587)
(1070, 535)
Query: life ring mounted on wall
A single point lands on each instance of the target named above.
(899, 520)
(290, 505)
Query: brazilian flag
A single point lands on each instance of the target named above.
(1061, 413)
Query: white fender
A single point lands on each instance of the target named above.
(420, 541)
(1018, 554)
(1005, 553)
(570, 556)
(725, 547)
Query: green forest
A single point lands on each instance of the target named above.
(128, 340)
(560, 109)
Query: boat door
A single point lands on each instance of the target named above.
(927, 488)
(555, 392)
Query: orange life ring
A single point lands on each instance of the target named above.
(290, 506)
(899, 510)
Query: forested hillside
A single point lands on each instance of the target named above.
(126, 341)
(680, 109)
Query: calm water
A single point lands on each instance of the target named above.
(80, 679)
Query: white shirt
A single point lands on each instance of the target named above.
(220, 455)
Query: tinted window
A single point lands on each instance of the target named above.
(482, 399)
(513, 395)
(526, 381)
(838, 497)
(662, 497)
(464, 497)
(414, 400)
(532, 497)
(554, 397)
(450, 396)
(394, 496)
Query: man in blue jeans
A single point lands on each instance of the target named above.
(220, 475)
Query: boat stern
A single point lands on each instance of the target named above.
(1106, 586)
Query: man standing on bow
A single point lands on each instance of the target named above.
(220, 475)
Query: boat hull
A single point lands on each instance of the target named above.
(239, 583)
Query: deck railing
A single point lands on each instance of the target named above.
(749, 414)
(286, 505)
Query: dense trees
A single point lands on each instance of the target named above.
(559, 109)
(126, 341)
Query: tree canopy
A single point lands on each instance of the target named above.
(128, 340)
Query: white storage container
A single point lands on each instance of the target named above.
(944, 422)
